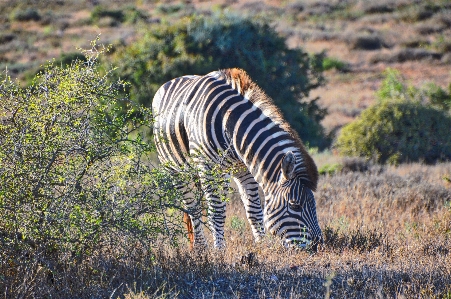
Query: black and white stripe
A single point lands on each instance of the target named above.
(199, 117)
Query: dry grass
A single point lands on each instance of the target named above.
(387, 235)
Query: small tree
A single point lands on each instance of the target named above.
(77, 183)
(199, 45)
(76, 176)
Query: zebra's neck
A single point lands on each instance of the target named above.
(260, 144)
(258, 133)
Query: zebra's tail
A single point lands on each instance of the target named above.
(189, 227)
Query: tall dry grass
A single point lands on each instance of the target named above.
(387, 235)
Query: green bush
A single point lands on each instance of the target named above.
(74, 175)
(133, 15)
(29, 14)
(398, 131)
(79, 196)
(129, 14)
(330, 169)
(439, 97)
(199, 45)
(394, 87)
(167, 8)
(366, 42)
(101, 12)
(406, 124)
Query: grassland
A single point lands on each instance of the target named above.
(387, 235)
(387, 228)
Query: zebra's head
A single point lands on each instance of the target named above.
(290, 209)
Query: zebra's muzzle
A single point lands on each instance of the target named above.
(303, 243)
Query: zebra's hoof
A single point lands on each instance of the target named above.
(249, 260)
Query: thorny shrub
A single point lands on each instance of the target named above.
(77, 182)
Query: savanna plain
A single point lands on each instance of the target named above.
(387, 228)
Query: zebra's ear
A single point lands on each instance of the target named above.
(288, 163)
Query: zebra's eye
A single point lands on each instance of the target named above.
(295, 206)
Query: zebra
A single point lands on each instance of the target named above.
(199, 117)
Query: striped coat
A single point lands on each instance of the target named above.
(200, 117)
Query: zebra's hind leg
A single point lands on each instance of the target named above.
(194, 224)
(189, 227)
(248, 188)
(192, 217)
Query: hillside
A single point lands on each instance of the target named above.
(361, 38)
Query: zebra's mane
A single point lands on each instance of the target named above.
(241, 81)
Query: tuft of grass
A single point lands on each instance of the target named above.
(370, 7)
(358, 240)
(442, 44)
(7, 37)
(416, 42)
(355, 164)
(415, 13)
(334, 63)
(407, 54)
(428, 28)
(237, 224)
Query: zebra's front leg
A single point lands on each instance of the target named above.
(216, 216)
(248, 188)
(216, 209)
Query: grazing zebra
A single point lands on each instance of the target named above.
(198, 117)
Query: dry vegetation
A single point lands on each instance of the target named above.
(387, 229)
(387, 235)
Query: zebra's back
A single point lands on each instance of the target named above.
(188, 118)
